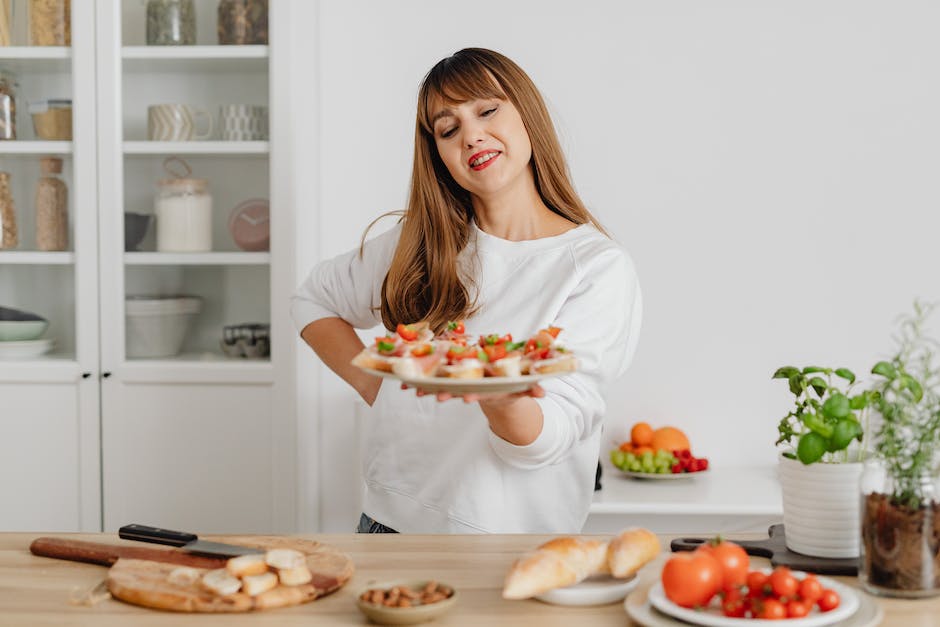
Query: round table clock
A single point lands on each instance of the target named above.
(250, 225)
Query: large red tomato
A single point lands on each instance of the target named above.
(732, 558)
(691, 579)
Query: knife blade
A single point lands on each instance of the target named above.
(186, 541)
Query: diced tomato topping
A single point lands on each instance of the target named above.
(553, 331)
(456, 353)
(422, 350)
(456, 327)
(494, 352)
(407, 332)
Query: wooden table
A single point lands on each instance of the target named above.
(35, 590)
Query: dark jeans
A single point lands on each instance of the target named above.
(369, 525)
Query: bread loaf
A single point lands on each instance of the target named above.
(557, 563)
(630, 550)
(566, 561)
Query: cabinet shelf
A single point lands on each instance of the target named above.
(197, 368)
(36, 258)
(36, 59)
(196, 148)
(16, 147)
(197, 259)
(196, 59)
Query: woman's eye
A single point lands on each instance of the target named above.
(449, 132)
(488, 112)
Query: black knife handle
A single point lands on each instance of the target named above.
(143, 533)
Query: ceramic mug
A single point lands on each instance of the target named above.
(241, 122)
(176, 123)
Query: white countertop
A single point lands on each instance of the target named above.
(742, 490)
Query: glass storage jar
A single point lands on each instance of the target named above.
(183, 207)
(7, 105)
(52, 199)
(9, 236)
(900, 524)
(50, 23)
(52, 118)
(243, 22)
(171, 23)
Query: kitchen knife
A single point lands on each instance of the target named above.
(189, 542)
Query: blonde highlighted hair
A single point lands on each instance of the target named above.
(423, 282)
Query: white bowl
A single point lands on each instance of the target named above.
(22, 330)
(156, 327)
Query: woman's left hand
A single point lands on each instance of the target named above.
(536, 391)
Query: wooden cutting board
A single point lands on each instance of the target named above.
(139, 574)
(775, 548)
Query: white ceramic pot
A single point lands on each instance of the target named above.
(821, 507)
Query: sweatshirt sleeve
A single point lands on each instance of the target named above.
(600, 323)
(347, 286)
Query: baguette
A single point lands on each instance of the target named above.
(630, 550)
(368, 358)
(555, 564)
(566, 561)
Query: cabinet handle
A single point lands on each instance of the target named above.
(105, 374)
(85, 375)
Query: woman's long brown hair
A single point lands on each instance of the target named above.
(423, 282)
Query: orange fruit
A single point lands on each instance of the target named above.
(639, 450)
(670, 439)
(641, 434)
(627, 447)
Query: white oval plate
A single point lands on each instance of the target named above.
(639, 609)
(486, 385)
(655, 476)
(712, 617)
(599, 590)
(24, 349)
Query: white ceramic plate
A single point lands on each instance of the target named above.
(671, 476)
(712, 617)
(869, 614)
(486, 385)
(599, 590)
(25, 349)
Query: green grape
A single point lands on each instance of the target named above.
(617, 458)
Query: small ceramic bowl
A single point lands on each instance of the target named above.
(135, 228)
(405, 615)
(21, 330)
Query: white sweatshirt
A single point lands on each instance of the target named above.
(433, 467)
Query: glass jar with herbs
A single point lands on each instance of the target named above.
(7, 105)
(171, 23)
(243, 22)
(52, 199)
(50, 23)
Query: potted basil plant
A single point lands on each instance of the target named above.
(820, 465)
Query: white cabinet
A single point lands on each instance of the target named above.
(199, 440)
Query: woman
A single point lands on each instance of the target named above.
(494, 234)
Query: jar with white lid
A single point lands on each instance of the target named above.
(183, 208)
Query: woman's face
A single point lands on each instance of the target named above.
(484, 145)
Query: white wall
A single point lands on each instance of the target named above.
(771, 167)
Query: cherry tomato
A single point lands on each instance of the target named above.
(406, 332)
(457, 327)
(772, 609)
(756, 584)
(732, 558)
(735, 608)
(810, 589)
(691, 579)
(829, 600)
(798, 609)
(783, 583)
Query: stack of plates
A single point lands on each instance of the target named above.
(20, 333)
